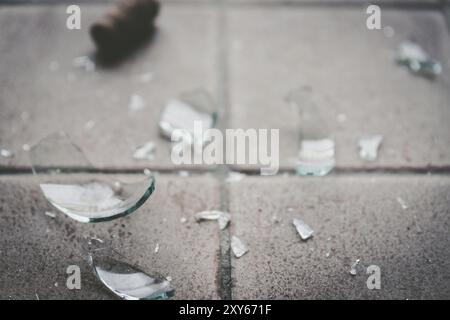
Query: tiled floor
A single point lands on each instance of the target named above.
(248, 54)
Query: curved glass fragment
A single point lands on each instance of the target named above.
(127, 281)
(83, 197)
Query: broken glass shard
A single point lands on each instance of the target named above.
(316, 155)
(238, 247)
(136, 103)
(235, 177)
(6, 153)
(85, 63)
(98, 240)
(50, 214)
(145, 152)
(402, 203)
(127, 281)
(183, 173)
(368, 147)
(353, 270)
(223, 218)
(417, 60)
(196, 107)
(84, 197)
(303, 229)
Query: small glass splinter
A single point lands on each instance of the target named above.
(316, 157)
(402, 203)
(238, 247)
(353, 268)
(127, 281)
(85, 198)
(368, 147)
(303, 229)
(223, 218)
(145, 152)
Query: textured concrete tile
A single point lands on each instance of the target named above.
(36, 249)
(351, 71)
(330, 3)
(354, 217)
(35, 101)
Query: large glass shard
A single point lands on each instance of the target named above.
(238, 247)
(316, 156)
(223, 218)
(368, 147)
(127, 281)
(303, 229)
(84, 197)
(417, 60)
(196, 107)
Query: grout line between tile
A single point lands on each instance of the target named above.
(224, 268)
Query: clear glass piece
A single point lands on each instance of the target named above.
(353, 270)
(223, 218)
(235, 177)
(417, 60)
(368, 147)
(6, 153)
(127, 281)
(181, 113)
(84, 62)
(402, 203)
(316, 155)
(145, 152)
(83, 197)
(238, 247)
(303, 229)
